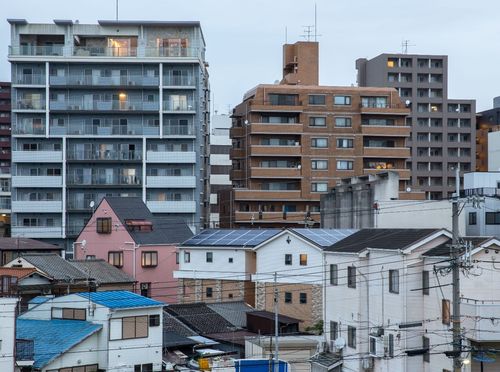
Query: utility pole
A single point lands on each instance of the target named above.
(276, 324)
(455, 254)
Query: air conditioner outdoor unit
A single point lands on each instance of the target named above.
(376, 346)
(367, 363)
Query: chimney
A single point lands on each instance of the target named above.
(301, 63)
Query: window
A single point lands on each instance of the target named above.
(317, 99)
(154, 320)
(283, 99)
(145, 289)
(288, 297)
(303, 259)
(344, 164)
(317, 121)
(209, 292)
(176, 258)
(68, 313)
(303, 298)
(230, 260)
(334, 330)
(210, 257)
(492, 218)
(288, 259)
(135, 327)
(149, 259)
(394, 281)
(85, 368)
(391, 345)
(319, 187)
(351, 337)
(342, 100)
(104, 225)
(472, 218)
(115, 258)
(345, 143)
(319, 164)
(351, 276)
(426, 345)
(425, 282)
(144, 368)
(445, 312)
(319, 142)
(342, 122)
(187, 257)
(334, 274)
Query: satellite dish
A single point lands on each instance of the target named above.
(408, 189)
(407, 102)
(246, 122)
(340, 343)
(91, 205)
(84, 243)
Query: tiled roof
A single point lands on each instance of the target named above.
(102, 271)
(120, 299)
(165, 230)
(174, 325)
(444, 249)
(380, 238)
(172, 339)
(55, 266)
(18, 272)
(200, 318)
(53, 338)
(236, 337)
(24, 244)
(269, 315)
(234, 312)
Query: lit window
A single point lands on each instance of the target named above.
(390, 64)
(303, 259)
(149, 259)
(115, 258)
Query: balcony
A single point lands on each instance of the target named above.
(171, 81)
(181, 157)
(171, 181)
(25, 353)
(98, 105)
(130, 80)
(274, 217)
(266, 128)
(105, 128)
(266, 106)
(179, 130)
(478, 317)
(171, 206)
(103, 180)
(258, 150)
(36, 181)
(258, 172)
(237, 153)
(37, 206)
(4, 171)
(129, 156)
(30, 79)
(386, 152)
(27, 104)
(187, 106)
(37, 232)
(34, 50)
(404, 174)
(285, 195)
(210, 274)
(27, 127)
(37, 156)
(386, 130)
(384, 109)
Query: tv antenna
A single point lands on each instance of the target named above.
(116, 3)
(404, 46)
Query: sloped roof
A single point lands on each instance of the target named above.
(269, 315)
(172, 339)
(231, 237)
(236, 337)
(380, 238)
(234, 312)
(444, 249)
(25, 244)
(174, 325)
(120, 299)
(17, 272)
(53, 338)
(323, 238)
(40, 300)
(165, 230)
(200, 318)
(55, 266)
(102, 271)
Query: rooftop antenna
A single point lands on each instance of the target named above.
(308, 32)
(286, 35)
(404, 46)
(116, 9)
(315, 23)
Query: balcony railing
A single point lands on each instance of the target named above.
(179, 81)
(30, 104)
(127, 80)
(32, 50)
(104, 155)
(4, 170)
(31, 79)
(5, 203)
(179, 130)
(74, 179)
(174, 105)
(111, 105)
(106, 128)
(105, 51)
(28, 128)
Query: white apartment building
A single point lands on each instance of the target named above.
(109, 331)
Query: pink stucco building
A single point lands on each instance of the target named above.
(126, 234)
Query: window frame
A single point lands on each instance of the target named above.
(347, 100)
(315, 162)
(135, 327)
(303, 298)
(334, 330)
(187, 257)
(334, 274)
(153, 256)
(154, 320)
(351, 277)
(494, 221)
(348, 141)
(312, 121)
(209, 257)
(394, 281)
(288, 259)
(303, 259)
(315, 96)
(351, 337)
(314, 142)
(104, 225)
(120, 258)
(472, 218)
(314, 186)
(425, 282)
(347, 122)
(288, 297)
(350, 165)
(209, 292)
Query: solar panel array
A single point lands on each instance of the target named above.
(324, 237)
(231, 238)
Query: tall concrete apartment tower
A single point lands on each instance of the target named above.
(443, 129)
(118, 108)
(5, 155)
(294, 140)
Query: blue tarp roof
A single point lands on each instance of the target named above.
(39, 300)
(120, 299)
(53, 337)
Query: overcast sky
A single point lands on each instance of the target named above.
(244, 37)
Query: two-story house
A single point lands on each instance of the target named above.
(124, 232)
(95, 331)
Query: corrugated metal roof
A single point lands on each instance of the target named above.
(55, 266)
(40, 300)
(102, 271)
(120, 299)
(53, 338)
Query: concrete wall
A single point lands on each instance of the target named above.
(7, 333)
(494, 151)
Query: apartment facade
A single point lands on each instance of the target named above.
(5, 155)
(220, 163)
(487, 121)
(114, 109)
(293, 141)
(443, 130)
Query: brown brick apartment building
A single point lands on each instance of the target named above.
(292, 141)
(5, 157)
(486, 121)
